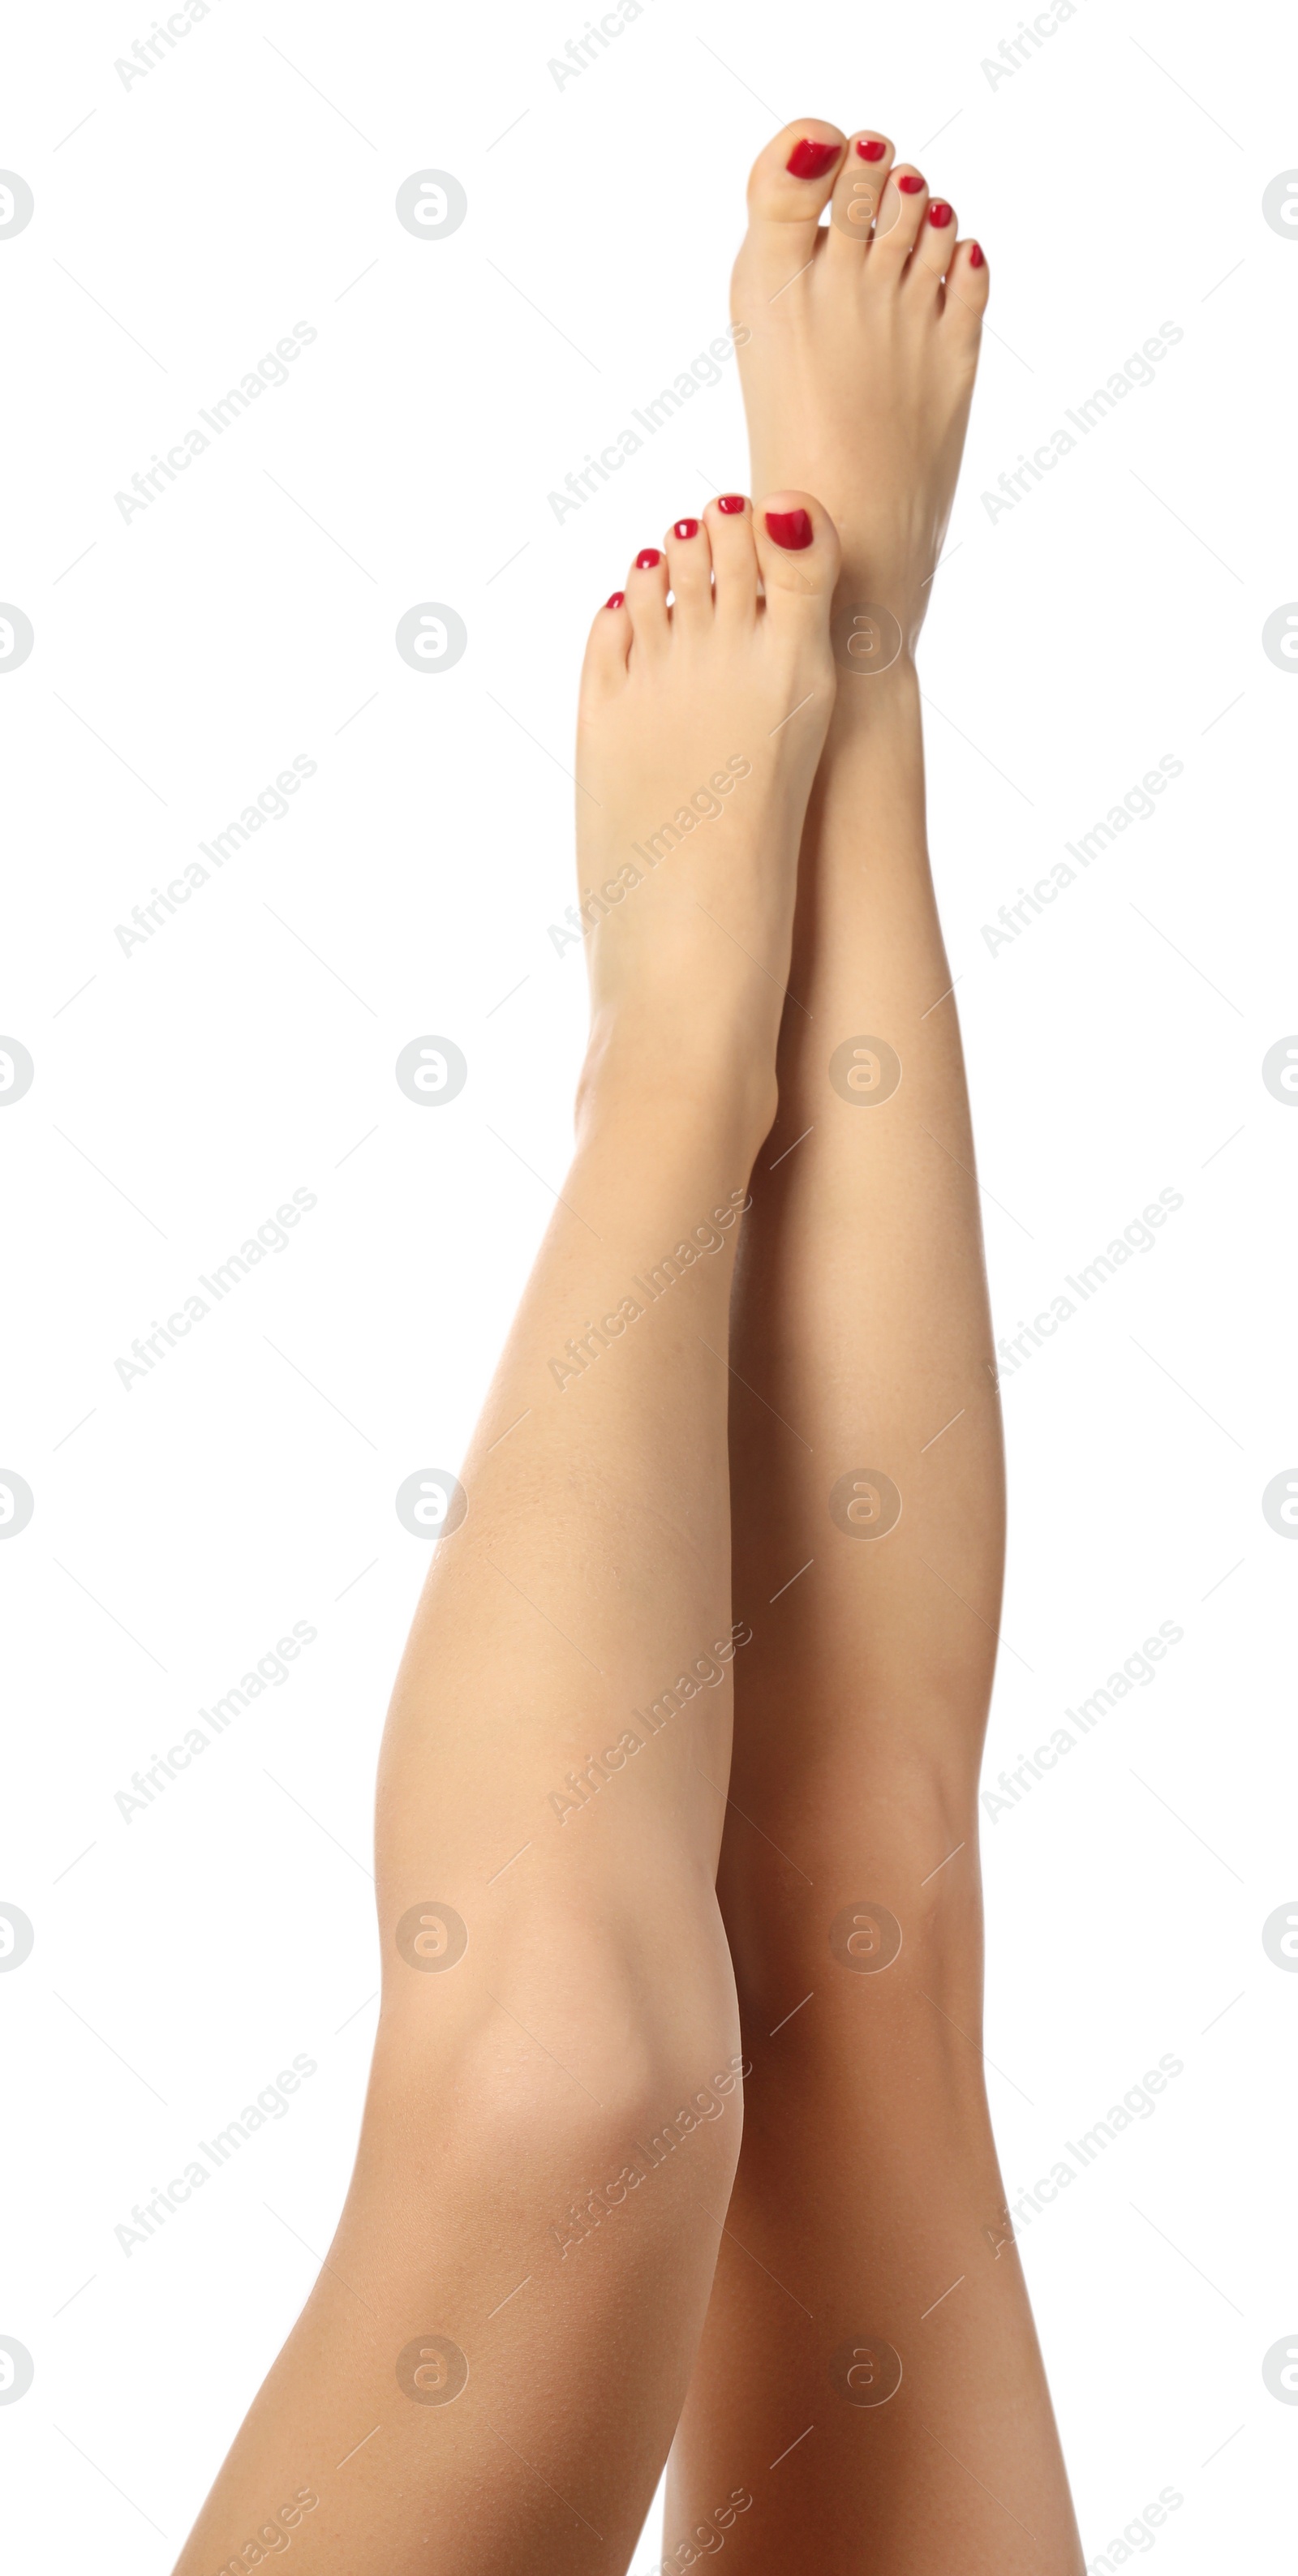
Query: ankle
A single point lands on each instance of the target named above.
(703, 1090)
(884, 699)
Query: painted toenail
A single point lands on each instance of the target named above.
(686, 528)
(615, 599)
(730, 502)
(647, 558)
(910, 183)
(810, 160)
(870, 150)
(939, 212)
(791, 529)
(977, 258)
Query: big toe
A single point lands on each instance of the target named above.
(789, 187)
(797, 548)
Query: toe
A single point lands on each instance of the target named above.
(934, 244)
(788, 188)
(689, 571)
(903, 208)
(607, 646)
(791, 180)
(646, 601)
(734, 558)
(964, 297)
(797, 548)
(858, 188)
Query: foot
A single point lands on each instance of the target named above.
(700, 726)
(861, 348)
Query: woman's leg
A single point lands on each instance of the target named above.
(866, 2236)
(487, 2373)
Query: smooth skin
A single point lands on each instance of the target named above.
(529, 2282)
(489, 2370)
(868, 2208)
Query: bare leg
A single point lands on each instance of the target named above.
(866, 2236)
(487, 2374)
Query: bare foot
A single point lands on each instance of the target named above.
(699, 731)
(862, 348)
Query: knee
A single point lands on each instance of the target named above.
(586, 2041)
(669, 2142)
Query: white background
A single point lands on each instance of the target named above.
(184, 1091)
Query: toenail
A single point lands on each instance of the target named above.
(870, 150)
(810, 160)
(686, 528)
(730, 502)
(791, 529)
(615, 599)
(910, 183)
(977, 258)
(939, 212)
(647, 558)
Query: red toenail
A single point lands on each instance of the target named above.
(810, 160)
(909, 183)
(615, 599)
(870, 150)
(730, 502)
(647, 558)
(939, 212)
(790, 528)
(686, 528)
(977, 258)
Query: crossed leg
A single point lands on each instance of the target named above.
(869, 2370)
(489, 2369)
